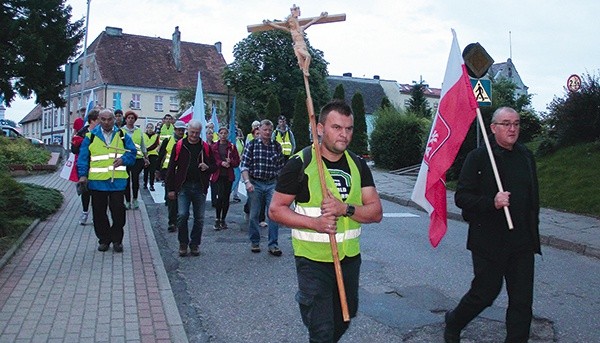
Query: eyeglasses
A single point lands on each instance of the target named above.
(509, 125)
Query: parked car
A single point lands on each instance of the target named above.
(12, 133)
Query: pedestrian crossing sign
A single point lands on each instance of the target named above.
(482, 89)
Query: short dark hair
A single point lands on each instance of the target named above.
(334, 105)
(167, 116)
(119, 112)
(93, 115)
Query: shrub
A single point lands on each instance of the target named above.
(11, 200)
(40, 202)
(397, 139)
(21, 151)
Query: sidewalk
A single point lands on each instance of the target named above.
(58, 287)
(577, 233)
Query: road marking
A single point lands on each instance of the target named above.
(400, 215)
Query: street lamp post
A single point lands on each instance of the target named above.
(228, 95)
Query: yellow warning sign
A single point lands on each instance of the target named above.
(481, 94)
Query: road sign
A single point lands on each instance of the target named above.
(477, 60)
(574, 83)
(482, 89)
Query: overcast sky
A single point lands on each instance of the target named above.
(396, 39)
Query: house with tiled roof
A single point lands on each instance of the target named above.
(142, 74)
(507, 70)
(32, 124)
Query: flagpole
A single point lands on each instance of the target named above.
(87, 25)
(332, 242)
(494, 167)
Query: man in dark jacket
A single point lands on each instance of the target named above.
(188, 174)
(499, 253)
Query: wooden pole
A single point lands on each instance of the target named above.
(494, 167)
(332, 241)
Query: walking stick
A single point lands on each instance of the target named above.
(334, 249)
(116, 149)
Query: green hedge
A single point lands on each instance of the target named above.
(21, 151)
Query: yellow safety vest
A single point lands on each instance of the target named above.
(149, 141)
(284, 141)
(315, 245)
(103, 157)
(136, 137)
(166, 132)
(169, 148)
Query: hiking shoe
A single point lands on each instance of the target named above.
(224, 225)
(118, 247)
(152, 188)
(145, 186)
(135, 204)
(263, 224)
(172, 228)
(217, 225)
(103, 247)
(255, 248)
(275, 251)
(195, 250)
(83, 218)
(183, 250)
(127, 205)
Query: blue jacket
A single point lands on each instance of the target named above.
(83, 162)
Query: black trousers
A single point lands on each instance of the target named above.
(150, 170)
(222, 188)
(319, 299)
(101, 202)
(133, 181)
(517, 269)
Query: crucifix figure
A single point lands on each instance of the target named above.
(296, 27)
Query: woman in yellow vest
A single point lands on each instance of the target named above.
(141, 160)
(152, 140)
(351, 200)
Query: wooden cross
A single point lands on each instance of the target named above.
(116, 149)
(296, 28)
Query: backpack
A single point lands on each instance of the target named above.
(179, 144)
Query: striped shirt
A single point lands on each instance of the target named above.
(262, 161)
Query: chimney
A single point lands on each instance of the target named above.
(376, 77)
(114, 31)
(347, 74)
(218, 46)
(176, 51)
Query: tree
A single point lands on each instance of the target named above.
(36, 39)
(385, 103)
(359, 144)
(417, 103)
(575, 118)
(300, 123)
(273, 109)
(265, 64)
(339, 92)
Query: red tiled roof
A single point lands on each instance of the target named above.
(34, 115)
(139, 61)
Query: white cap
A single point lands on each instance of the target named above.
(180, 124)
(255, 123)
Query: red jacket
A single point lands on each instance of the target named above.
(234, 161)
(178, 166)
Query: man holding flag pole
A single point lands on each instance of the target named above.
(500, 248)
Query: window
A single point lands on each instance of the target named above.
(173, 104)
(116, 100)
(87, 73)
(158, 103)
(45, 120)
(135, 101)
(94, 74)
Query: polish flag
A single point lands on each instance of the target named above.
(186, 116)
(456, 111)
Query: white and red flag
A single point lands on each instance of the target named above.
(456, 111)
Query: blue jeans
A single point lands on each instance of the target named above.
(190, 193)
(236, 181)
(262, 194)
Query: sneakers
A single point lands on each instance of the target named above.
(195, 250)
(274, 250)
(224, 225)
(255, 248)
(127, 205)
(145, 186)
(135, 205)
(172, 228)
(83, 218)
(263, 224)
(183, 250)
(152, 188)
(217, 225)
(103, 247)
(118, 247)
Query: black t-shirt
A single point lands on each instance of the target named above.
(287, 182)
(195, 150)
